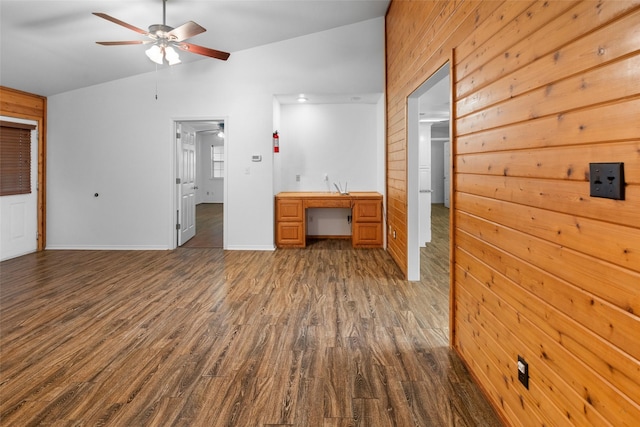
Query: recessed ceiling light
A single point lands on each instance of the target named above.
(302, 98)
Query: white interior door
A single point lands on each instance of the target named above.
(447, 167)
(424, 184)
(19, 213)
(186, 147)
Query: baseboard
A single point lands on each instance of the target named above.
(105, 248)
(250, 248)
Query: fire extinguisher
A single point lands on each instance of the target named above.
(276, 142)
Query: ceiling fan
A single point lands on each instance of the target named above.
(164, 38)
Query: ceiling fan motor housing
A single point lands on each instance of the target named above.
(160, 31)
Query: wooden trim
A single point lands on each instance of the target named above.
(24, 105)
(42, 181)
(453, 151)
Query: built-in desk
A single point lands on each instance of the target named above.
(366, 208)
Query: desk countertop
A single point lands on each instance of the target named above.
(326, 195)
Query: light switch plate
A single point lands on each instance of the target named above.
(606, 180)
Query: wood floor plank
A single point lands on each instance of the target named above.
(322, 336)
(209, 226)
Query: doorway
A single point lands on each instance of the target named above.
(19, 208)
(200, 171)
(428, 166)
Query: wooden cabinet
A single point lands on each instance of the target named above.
(367, 223)
(366, 208)
(290, 227)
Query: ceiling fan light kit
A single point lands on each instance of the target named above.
(158, 53)
(171, 56)
(165, 38)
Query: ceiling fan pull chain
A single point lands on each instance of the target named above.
(156, 82)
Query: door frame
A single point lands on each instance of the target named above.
(42, 160)
(175, 205)
(413, 144)
(16, 105)
(35, 193)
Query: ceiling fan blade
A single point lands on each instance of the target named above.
(125, 42)
(200, 50)
(119, 22)
(186, 31)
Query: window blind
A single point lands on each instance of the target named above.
(15, 158)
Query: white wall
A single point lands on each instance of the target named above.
(438, 132)
(381, 147)
(437, 171)
(336, 140)
(425, 186)
(116, 139)
(277, 164)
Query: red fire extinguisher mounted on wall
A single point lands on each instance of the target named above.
(276, 142)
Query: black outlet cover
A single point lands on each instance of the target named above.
(523, 372)
(607, 180)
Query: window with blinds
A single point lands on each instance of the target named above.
(15, 158)
(217, 161)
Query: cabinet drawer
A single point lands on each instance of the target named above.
(290, 234)
(289, 210)
(367, 211)
(333, 202)
(367, 235)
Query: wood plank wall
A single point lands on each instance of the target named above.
(540, 268)
(15, 103)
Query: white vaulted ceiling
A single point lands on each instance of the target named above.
(48, 46)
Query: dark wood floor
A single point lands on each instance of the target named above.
(209, 227)
(434, 258)
(323, 336)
